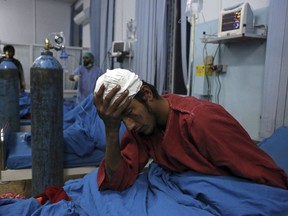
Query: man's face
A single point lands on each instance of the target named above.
(10, 53)
(137, 117)
(86, 61)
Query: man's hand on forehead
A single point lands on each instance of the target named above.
(112, 94)
(121, 78)
(98, 96)
(104, 103)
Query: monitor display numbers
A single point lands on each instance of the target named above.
(231, 21)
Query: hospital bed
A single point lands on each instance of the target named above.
(160, 192)
(17, 163)
(84, 143)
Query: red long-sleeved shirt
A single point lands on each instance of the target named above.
(199, 136)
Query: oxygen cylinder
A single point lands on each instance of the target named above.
(46, 81)
(9, 97)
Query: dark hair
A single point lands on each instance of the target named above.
(8, 48)
(140, 95)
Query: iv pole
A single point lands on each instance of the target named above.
(191, 54)
(193, 7)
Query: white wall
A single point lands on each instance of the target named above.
(241, 86)
(124, 11)
(26, 23)
(86, 27)
(17, 21)
(53, 17)
(30, 21)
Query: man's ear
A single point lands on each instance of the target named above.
(147, 93)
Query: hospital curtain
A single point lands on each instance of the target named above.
(158, 56)
(181, 32)
(150, 48)
(101, 30)
(275, 93)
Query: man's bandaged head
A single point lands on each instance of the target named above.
(122, 77)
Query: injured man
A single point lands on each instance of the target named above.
(178, 133)
(204, 162)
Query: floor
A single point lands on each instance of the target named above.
(20, 187)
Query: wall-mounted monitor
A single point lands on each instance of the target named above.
(118, 47)
(236, 20)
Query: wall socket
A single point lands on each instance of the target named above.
(221, 68)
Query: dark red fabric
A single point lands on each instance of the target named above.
(53, 194)
(199, 136)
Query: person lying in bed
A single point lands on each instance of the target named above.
(179, 133)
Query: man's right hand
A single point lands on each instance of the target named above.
(76, 78)
(111, 114)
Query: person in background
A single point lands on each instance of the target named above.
(9, 52)
(86, 76)
(179, 133)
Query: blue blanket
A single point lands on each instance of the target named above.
(83, 131)
(159, 192)
(277, 147)
(25, 104)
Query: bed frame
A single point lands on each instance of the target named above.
(26, 174)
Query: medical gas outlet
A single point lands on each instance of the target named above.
(203, 76)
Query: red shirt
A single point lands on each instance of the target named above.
(199, 136)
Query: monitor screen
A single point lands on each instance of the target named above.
(118, 47)
(236, 20)
(231, 21)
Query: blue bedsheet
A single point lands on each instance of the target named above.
(25, 104)
(19, 154)
(84, 138)
(159, 192)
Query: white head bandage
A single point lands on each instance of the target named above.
(125, 78)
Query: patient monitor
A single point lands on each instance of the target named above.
(236, 20)
(118, 47)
